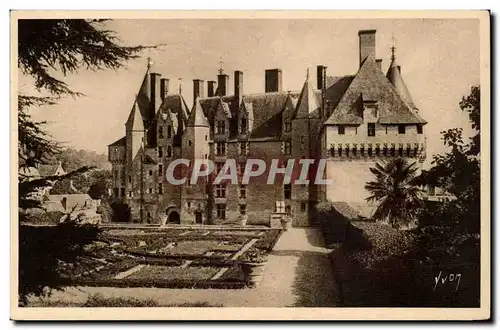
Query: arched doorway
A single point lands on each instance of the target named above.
(198, 217)
(174, 217)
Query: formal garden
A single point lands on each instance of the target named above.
(84, 255)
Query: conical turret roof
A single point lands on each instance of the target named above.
(394, 76)
(197, 118)
(134, 121)
(307, 102)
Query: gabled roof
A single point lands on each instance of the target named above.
(225, 107)
(370, 83)
(72, 200)
(134, 121)
(177, 105)
(307, 103)
(247, 107)
(48, 169)
(148, 160)
(197, 118)
(119, 142)
(267, 110)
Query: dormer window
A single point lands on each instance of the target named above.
(221, 127)
(169, 132)
(401, 129)
(371, 129)
(420, 129)
(288, 125)
(370, 111)
(160, 132)
(341, 130)
(243, 126)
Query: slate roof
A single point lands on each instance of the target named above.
(370, 83)
(72, 200)
(267, 111)
(197, 118)
(177, 105)
(394, 76)
(135, 119)
(47, 169)
(119, 142)
(143, 98)
(307, 103)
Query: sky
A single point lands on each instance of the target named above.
(439, 61)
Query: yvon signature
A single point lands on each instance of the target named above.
(452, 278)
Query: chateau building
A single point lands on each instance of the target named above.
(350, 121)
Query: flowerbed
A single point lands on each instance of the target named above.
(154, 273)
(170, 260)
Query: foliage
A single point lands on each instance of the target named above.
(47, 47)
(29, 187)
(395, 191)
(384, 242)
(42, 249)
(98, 300)
(105, 210)
(458, 171)
(44, 218)
(72, 159)
(254, 255)
(333, 224)
(66, 46)
(401, 266)
(95, 183)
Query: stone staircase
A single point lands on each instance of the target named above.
(275, 220)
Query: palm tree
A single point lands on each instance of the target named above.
(395, 191)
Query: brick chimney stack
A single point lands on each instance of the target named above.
(273, 80)
(238, 83)
(155, 94)
(222, 84)
(198, 89)
(320, 76)
(164, 87)
(366, 44)
(211, 88)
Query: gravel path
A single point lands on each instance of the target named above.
(298, 273)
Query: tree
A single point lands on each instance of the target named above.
(395, 191)
(458, 170)
(47, 47)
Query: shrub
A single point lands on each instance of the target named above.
(333, 224)
(44, 218)
(42, 249)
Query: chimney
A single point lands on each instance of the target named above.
(155, 93)
(273, 80)
(379, 63)
(198, 89)
(164, 88)
(222, 82)
(238, 83)
(320, 76)
(211, 88)
(366, 44)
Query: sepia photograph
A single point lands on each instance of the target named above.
(307, 165)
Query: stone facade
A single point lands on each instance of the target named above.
(351, 121)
